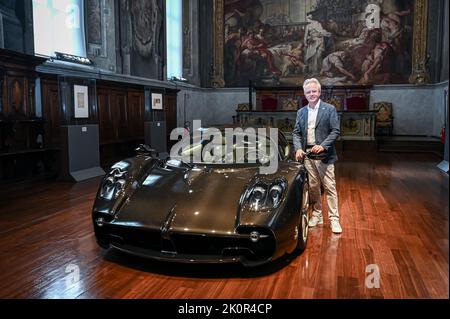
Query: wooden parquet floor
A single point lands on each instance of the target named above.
(394, 213)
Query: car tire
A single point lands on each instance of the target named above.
(303, 228)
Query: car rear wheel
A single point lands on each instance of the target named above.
(304, 219)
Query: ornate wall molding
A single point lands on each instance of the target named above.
(419, 73)
(94, 21)
(217, 77)
(101, 35)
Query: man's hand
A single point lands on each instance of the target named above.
(299, 155)
(317, 149)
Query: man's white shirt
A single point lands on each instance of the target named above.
(312, 117)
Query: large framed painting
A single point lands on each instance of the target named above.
(340, 42)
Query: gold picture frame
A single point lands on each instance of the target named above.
(419, 74)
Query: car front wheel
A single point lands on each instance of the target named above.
(304, 219)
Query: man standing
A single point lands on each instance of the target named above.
(316, 129)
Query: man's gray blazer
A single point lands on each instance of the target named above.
(327, 130)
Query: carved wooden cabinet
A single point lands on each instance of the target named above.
(17, 84)
(23, 145)
(358, 125)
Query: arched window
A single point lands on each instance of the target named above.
(174, 39)
(59, 27)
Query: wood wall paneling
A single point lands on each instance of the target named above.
(51, 112)
(136, 111)
(119, 110)
(106, 125)
(171, 114)
(120, 107)
(23, 151)
(121, 121)
(17, 99)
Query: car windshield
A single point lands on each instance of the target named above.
(249, 148)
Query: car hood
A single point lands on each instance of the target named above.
(199, 200)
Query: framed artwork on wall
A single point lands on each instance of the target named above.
(81, 106)
(157, 101)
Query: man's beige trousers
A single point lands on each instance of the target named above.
(320, 173)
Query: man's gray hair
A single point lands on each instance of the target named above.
(312, 80)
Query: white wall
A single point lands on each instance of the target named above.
(211, 106)
(417, 110)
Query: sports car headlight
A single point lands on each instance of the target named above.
(275, 194)
(258, 195)
(113, 184)
(264, 196)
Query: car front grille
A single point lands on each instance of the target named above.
(193, 244)
(142, 238)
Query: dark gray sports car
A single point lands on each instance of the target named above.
(207, 211)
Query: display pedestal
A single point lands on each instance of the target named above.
(443, 166)
(155, 137)
(80, 153)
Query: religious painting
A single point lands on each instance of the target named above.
(340, 42)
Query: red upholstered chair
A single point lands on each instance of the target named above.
(269, 104)
(356, 103)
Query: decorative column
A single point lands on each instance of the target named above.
(217, 78)
(419, 73)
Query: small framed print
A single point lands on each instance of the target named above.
(80, 95)
(157, 101)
